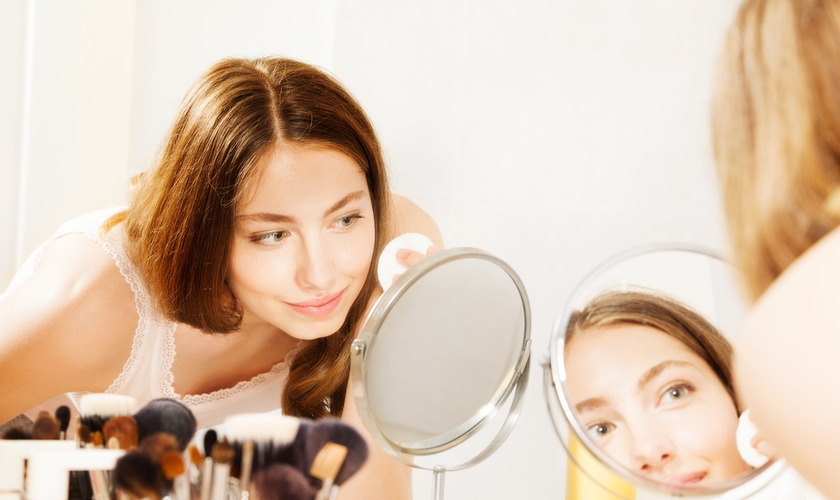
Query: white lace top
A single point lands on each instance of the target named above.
(147, 373)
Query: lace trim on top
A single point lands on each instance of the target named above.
(142, 302)
(167, 380)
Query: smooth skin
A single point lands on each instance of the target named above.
(654, 405)
(70, 326)
(787, 364)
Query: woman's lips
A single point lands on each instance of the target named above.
(318, 308)
(689, 479)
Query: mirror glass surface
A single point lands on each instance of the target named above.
(641, 368)
(443, 348)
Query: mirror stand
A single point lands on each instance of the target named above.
(439, 471)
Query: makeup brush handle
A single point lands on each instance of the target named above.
(206, 479)
(221, 475)
(325, 493)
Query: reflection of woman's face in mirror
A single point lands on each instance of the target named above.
(653, 405)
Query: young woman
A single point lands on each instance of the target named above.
(777, 147)
(239, 273)
(651, 381)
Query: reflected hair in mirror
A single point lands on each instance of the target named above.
(666, 314)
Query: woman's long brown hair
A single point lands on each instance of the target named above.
(180, 220)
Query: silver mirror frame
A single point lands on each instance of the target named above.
(562, 415)
(516, 384)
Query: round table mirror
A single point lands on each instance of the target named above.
(443, 349)
(638, 378)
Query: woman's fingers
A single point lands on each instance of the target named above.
(408, 257)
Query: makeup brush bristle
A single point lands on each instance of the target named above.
(195, 456)
(139, 476)
(16, 433)
(45, 426)
(281, 482)
(222, 452)
(167, 415)
(210, 438)
(172, 464)
(83, 434)
(96, 439)
(62, 414)
(256, 427)
(157, 445)
(124, 429)
(273, 436)
(96, 409)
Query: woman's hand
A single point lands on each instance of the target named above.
(763, 446)
(408, 257)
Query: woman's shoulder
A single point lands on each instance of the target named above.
(69, 326)
(408, 217)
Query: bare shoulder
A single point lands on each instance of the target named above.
(410, 218)
(786, 362)
(68, 327)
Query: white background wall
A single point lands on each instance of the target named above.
(551, 133)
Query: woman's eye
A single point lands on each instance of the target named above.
(600, 430)
(675, 393)
(271, 238)
(348, 221)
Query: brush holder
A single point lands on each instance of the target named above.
(48, 473)
(13, 455)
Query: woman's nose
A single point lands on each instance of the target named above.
(652, 450)
(315, 270)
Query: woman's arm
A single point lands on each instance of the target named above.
(68, 327)
(788, 364)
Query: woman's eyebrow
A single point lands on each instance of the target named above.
(656, 370)
(265, 217)
(270, 217)
(590, 404)
(344, 201)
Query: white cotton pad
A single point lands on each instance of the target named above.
(745, 432)
(388, 263)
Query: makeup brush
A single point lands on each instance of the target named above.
(96, 409)
(138, 475)
(332, 430)
(62, 414)
(325, 467)
(158, 444)
(281, 482)
(210, 438)
(83, 436)
(123, 428)
(222, 457)
(167, 415)
(272, 437)
(16, 433)
(172, 464)
(45, 427)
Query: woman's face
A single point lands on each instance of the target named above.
(303, 242)
(653, 405)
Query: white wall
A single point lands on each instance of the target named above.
(552, 134)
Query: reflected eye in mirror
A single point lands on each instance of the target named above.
(599, 431)
(675, 393)
(640, 372)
